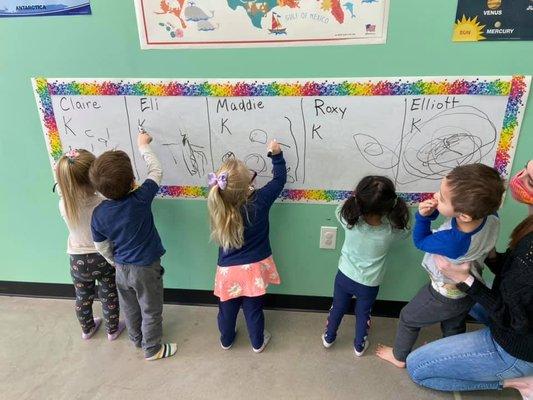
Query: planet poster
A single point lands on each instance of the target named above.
(480, 20)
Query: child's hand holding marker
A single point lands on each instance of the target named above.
(273, 148)
(143, 138)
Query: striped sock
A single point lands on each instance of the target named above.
(166, 350)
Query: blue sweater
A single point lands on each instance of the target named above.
(129, 224)
(457, 246)
(255, 216)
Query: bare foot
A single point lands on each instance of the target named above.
(523, 385)
(385, 353)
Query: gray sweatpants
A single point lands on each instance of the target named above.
(429, 307)
(140, 291)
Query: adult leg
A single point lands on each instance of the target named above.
(480, 314)
(470, 361)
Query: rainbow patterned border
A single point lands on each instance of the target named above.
(515, 89)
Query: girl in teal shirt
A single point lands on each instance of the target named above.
(373, 217)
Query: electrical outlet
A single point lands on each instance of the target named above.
(328, 237)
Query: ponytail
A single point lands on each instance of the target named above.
(351, 212)
(375, 195)
(226, 206)
(399, 214)
(74, 184)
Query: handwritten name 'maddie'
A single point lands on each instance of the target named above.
(68, 103)
(426, 103)
(241, 105)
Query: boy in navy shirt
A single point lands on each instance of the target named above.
(125, 234)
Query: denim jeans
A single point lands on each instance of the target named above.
(470, 361)
(480, 314)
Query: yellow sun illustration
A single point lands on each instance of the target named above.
(468, 30)
(326, 5)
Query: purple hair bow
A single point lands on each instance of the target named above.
(220, 180)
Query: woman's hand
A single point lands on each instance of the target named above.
(456, 272)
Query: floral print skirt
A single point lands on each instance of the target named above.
(250, 280)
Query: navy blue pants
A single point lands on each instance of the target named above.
(343, 292)
(253, 313)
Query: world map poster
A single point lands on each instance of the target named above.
(256, 23)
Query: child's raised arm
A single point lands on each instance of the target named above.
(150, 186)
(155, 171)
(447, 243)
(270, 192)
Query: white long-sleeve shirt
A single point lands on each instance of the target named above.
(80, 240)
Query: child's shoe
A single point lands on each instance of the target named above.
(359, 351)
(231, 344)
(267, 337)
(116, 334)
(90, 334)
(326, 344)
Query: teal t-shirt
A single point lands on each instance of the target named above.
(365, 249)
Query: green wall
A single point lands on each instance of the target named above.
(32, 234)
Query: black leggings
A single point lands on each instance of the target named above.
(85, 269)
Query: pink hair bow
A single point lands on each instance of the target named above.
(72, 155)
(221, 180)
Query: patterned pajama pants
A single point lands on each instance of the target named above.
(85, 270)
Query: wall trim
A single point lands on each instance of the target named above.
(382, 308)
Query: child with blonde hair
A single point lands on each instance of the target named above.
(77, 202)
(239, 225)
